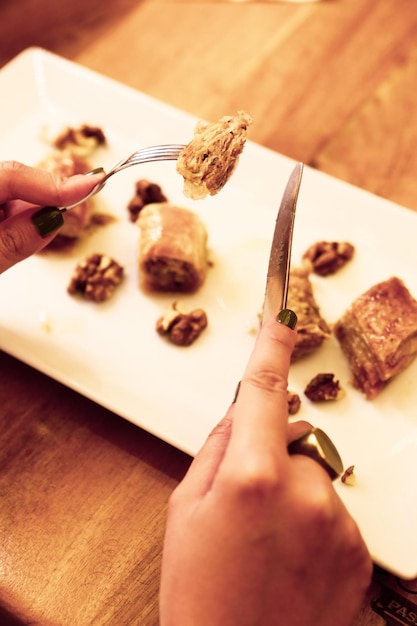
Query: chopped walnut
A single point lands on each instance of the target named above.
(324, 387)
(294, 402)
(82, 141)
(181, 326)
(348, 477)
(96, 277)
(100, 219)
(145, 193)
(327, 257)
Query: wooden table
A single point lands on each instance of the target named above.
(83, 492)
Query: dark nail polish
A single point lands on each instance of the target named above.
(236, 392)
(47, 220)
(287, 317)
(96, 170)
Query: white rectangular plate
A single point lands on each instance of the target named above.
(111, 352)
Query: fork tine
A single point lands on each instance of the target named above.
(153, 156)
(159, 149)
(157, 153)
(152, 153)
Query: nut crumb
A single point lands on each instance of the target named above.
(294, 402)
(96, 277)
(324, 387)
(45, 321)
(327, 257)
(181, 326)
(348, 476)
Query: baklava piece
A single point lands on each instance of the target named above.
(96, 278)
(181, 326)
(312, 329)
(172, 249)
(378, 335)
(209, 160)
(327, 257)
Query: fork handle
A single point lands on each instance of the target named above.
(95, 189)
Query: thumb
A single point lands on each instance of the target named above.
(27, 232)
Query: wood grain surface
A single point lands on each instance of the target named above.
(333, 84)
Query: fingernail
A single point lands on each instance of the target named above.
(96, 170)
(288, 318)
(47, 220)
(236, 392)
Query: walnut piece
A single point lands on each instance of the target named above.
(96, 277)
(294, 402)
(348, 477)
(81, 141)
(182, 327)
(145, 193)
(327, 257)
(324, 387)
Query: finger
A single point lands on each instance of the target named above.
(27, 232)
(19, 181)
(203, 469)
(297, 429)
(261, 408)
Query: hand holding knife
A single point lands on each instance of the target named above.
(315, 443)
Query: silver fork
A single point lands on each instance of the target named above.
(168, 152)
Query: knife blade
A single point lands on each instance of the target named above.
(280, 256)
(315, 443)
